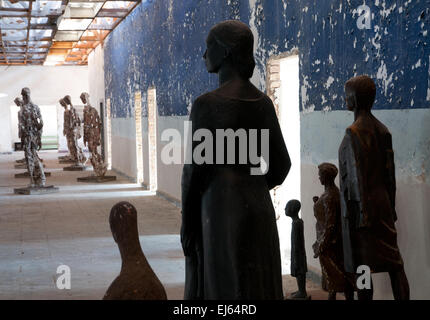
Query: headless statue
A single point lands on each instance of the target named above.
(73, 132)
(92, 135)
(328, 246)
(137, 280)
(299, 266)
(368, 190)
(31, 132)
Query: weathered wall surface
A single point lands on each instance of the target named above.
(161, 44)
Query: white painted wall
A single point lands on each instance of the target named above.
(47, 85)
(96, 77)
(96, 89)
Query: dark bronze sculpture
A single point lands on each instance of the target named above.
(299, 265)
(229, 233)
(137, 280)
(328, 246)
(368, 190)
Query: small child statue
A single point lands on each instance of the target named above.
(298, 253)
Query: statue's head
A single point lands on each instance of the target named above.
(123, 224)
(63, 103)
(327, 173)
(360, 93)
(85, 97)
(68, 99)
(19, 102)
(292, 208)
(25, 92)
(230, 42)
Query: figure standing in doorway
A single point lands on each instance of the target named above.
(229, 233)
(31, 132)
(299, 265)
(368, 191)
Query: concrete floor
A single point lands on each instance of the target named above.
(38, 233)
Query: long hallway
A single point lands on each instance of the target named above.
(38, 233)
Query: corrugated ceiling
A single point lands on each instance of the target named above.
(56, 32)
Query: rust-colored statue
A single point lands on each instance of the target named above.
(368, 190)
(72, 131)
(328, 246)
(31, 133)
(92, 135)
(137, 280)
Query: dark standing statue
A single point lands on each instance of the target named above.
(328, 246)
(31, 132)
(299, 265)
(368, 190)
(137, 280)
(229, 233)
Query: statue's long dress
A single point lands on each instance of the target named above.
(368, 189)
(329, 238)
(229, 212)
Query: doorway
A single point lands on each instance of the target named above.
(139, 142)
(287, 97)
(152, 138)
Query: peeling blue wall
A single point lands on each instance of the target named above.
(161, 44)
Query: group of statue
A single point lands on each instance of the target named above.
(229, 234)
(30, 128)
(91, 138)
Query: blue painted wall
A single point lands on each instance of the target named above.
(161, 44)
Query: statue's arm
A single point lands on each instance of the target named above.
(38, 117)
(349, 175)
(190, 182)
(330, 225)
(390, 175)
(279, 161)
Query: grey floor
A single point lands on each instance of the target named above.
(38, 233)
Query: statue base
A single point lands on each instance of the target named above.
(26, 174)
(23, 166)
(21, 161)
(97, 179)
(76, 167)
(36, 190)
